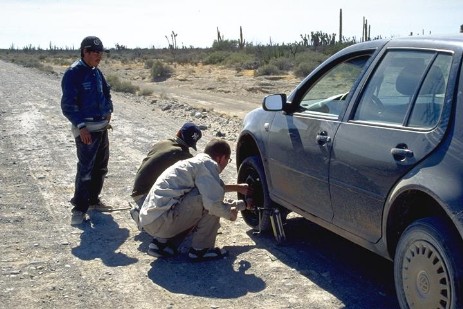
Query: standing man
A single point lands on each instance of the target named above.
(86, 103)
(189, 196)
(162, 155)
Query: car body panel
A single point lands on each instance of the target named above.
(295, 140)
(351, 182)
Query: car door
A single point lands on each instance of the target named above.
(395, 124)
(300, 147)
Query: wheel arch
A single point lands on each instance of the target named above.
(411, 205)
(245, 147)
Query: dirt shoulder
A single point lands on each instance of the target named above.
(46, 263)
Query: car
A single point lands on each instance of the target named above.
(370, 146)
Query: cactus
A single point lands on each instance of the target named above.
(340, 25)
(219, 36)
(305, 40)
(172, 44)
(241, 41)
(365, 32)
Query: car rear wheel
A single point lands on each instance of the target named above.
(427, 266)
(251, 171)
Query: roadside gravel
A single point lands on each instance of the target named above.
(46, 263)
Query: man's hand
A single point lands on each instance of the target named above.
(85, 136)
(249, 204)
(233, 214)
(243, 188)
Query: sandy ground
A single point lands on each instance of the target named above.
(46, 263)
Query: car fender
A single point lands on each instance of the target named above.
(440, 178)
(253, 136)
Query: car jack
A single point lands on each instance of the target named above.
(276, 221)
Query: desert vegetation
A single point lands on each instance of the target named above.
(273, 59)
(297, 58)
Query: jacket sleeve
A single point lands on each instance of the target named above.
(69, 105)
(211, 188)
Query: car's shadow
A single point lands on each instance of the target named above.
(354, 275)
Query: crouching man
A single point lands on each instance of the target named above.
(189, 196)
(162, 155)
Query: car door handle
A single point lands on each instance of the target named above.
(401, 154)
(323, 138)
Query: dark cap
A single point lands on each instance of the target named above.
(190, 134)
(92, 43)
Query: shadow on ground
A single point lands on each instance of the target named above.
(355, 276)
(206, 279)
(101, 237)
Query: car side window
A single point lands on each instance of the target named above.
(328, 95)
(407, 88)
(430, 100)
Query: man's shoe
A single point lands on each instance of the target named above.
(159, 249)
(77, 217)
(100, 206)
(207, 254)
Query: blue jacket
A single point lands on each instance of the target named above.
(86, 94)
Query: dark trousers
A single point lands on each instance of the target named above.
(92, 168)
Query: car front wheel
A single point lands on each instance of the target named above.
(428, 266)
(251, 171)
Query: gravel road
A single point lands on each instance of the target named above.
(46, 263)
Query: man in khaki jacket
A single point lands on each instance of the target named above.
(189, 196)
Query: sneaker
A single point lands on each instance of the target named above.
(134, 213)
(77, 217)
(100, 206)
(207, 254)
(159, 249)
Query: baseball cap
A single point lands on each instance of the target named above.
(190, 134)
(92, 43)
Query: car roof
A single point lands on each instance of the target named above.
(453, 41)
(457, 38)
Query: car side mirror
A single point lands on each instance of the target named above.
(274, 102)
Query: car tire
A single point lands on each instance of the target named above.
(428, 265)
(252, 172)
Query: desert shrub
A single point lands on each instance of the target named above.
(121, 86)
(268, 69)
(306, 62)
(149, 63)
(188, 56)
(216, 57)
(146, 92)
(303, 69)
(160, 71)
(282, 63)
(240, 60)
(47, 68)
(62, 61)
(225, 45)
(28, 62)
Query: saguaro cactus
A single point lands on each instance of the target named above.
(340, 25)
(219, 36)
(241, 41)
(366, 30)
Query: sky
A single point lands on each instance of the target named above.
(147, 23)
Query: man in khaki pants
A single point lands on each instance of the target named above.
(189, 196)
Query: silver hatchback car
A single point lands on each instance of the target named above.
(370, 146)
